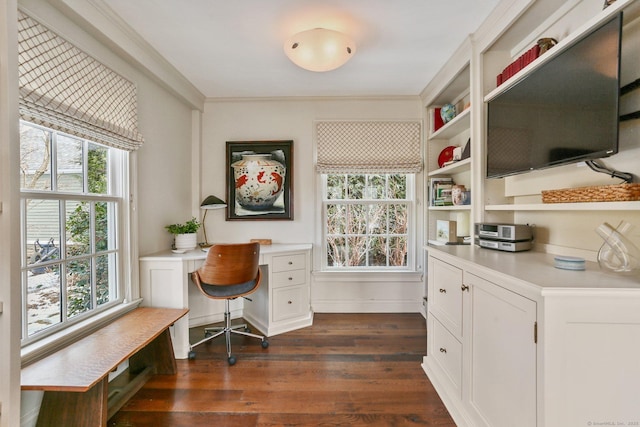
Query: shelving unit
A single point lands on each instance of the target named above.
(451, 87)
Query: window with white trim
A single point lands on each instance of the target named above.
(79, 123)
(70, 199)
(368, 221)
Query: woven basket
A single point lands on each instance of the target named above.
(597, 193)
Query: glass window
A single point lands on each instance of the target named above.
(70, 250)
(368, 221)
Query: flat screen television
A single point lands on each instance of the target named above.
(564, 111)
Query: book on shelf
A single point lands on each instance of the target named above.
(440, 191)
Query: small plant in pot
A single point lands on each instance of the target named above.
(185, 235)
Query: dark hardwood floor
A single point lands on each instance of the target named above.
(345, 370)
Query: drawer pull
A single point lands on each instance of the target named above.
(290, 262)
(290, 278)
(443, 291)
(289, 302)
(464, 288)
(443, 350)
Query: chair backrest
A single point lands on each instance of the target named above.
(230, 264)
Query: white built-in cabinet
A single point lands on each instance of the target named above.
(513, 341)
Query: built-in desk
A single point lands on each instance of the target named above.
(282, 302)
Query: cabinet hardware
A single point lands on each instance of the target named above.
(464, 288)
(443, 350)
(443, 291)
(535, 332)
(289, 302)
(290, 278)
(290, 262)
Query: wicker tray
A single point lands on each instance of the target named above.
(598, 193)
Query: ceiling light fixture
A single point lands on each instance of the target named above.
(319, 49)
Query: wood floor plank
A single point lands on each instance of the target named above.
(345, 370)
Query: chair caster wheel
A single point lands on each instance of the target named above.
(192, 355)
(207, 334)
(231, 360)
(265, 343)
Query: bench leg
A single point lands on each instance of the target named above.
(158, 354)
(75, 409)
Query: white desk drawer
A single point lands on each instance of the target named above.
(288, 262)
(289, 278)
(290, 302)
(447, 351)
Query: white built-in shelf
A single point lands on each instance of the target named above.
(457, 167)
(450, 208)
(458, 124)
(590, 206)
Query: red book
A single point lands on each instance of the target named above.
(437, 119)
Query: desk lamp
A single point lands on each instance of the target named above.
(211, 202)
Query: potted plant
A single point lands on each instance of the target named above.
(184, 234)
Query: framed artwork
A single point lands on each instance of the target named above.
(259, 180)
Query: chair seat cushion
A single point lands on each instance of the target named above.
(228, 291)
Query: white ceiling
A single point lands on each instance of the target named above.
(234, 48)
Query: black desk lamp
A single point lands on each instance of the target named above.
(211, 202)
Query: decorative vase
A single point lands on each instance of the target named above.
(259, 181)
(447, 112)
(186, 242)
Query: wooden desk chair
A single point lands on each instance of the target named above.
(229, 271)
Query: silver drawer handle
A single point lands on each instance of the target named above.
(443, 291)
(443, 350)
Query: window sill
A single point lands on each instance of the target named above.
(367, 276)
(42, 348)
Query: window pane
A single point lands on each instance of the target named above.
(336, 219)
(398, 219)
(378, 252)
(356, 219)
(103, 235)
(357, 251)
(397, 187)
(43, 230)
(35, 158)
(336, 252)
(106, 288)
(336, 188)
(43, 298)
(69, 164)
(78, 279)
(97, 169)
(378, 219)
(398, 251)
(78, 224)
(375, 187)
(355, 186)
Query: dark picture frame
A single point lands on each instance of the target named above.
(253, 176)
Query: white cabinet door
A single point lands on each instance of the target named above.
(502, 392)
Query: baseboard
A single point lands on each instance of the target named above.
(334, 306)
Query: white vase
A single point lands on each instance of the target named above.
(259, 181)
(186, 241)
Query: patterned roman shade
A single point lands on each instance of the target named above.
(64, 88)
(368, 147)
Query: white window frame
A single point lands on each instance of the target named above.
(411, 202)
(71, 329)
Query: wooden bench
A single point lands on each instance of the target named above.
(75, 379)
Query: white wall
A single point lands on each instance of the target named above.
(293, 119)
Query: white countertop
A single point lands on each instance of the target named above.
(537, 269)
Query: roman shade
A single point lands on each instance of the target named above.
(63, 88)
(368, 147)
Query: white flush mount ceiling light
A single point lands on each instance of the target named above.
(319, 49)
